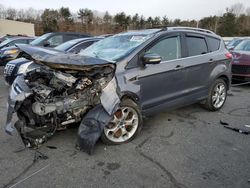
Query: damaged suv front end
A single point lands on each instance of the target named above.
(61, 89)
(55, 95)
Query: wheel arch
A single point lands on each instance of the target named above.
(132, 96)
(226, 79)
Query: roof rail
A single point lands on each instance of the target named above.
(191, 28)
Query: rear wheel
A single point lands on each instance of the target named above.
(125, 125)
(217, 95)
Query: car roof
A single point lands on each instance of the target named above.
(69, 33)
(171, 29)
(18, 37)
(86, 39)
(140, 32)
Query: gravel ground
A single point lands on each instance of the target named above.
(187, 147)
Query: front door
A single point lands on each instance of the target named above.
(163, 83)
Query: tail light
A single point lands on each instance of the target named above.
(229, 55)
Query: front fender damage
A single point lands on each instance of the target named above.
(94, 122)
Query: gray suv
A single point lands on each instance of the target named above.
(111, 85)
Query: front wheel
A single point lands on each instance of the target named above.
(217, 95)
(125, 125)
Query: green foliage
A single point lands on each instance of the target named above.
(122, 20)
(86, 15)
(49, 20)
(65, 14)
(227, 25)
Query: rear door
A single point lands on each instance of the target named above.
(198, 65)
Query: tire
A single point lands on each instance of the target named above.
(210, 103)
(129, 113)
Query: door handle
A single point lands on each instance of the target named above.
(178, 67)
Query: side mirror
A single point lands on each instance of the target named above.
(231, 49)
(151, 58)
(46, 44)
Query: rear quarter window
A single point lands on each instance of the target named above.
(214, 44)
(196, 45)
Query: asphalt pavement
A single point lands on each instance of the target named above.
(187, 147)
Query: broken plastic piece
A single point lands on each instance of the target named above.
(91, 128)
(223, 123)
(242, 131)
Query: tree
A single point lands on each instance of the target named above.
(65, 14)
(142, 22)
(209, 23)
(177, 22)
(237, 9)
(135, 21)
(227, 25)
(49, 20)
(107, 18)
(86, 16)
(165, 21)
(149, 22)
(11, 14)
(122, 20)
(157, 21)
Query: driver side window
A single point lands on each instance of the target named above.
(168, 48)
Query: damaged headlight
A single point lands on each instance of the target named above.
(24, 67)
(10, 52)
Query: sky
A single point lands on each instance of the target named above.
(183, 9)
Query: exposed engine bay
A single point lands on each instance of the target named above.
(49, 99)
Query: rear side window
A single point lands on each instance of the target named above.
(214, 44)
(168, 49)
(196, 45)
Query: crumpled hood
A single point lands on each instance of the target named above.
(56, 59)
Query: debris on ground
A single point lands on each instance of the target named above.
(51, 147)
(223, 123)
(242, 131)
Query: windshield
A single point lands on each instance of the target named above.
(65, 46)
(40, 39)
(243, 46)
(5, 42)
(117, 46)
